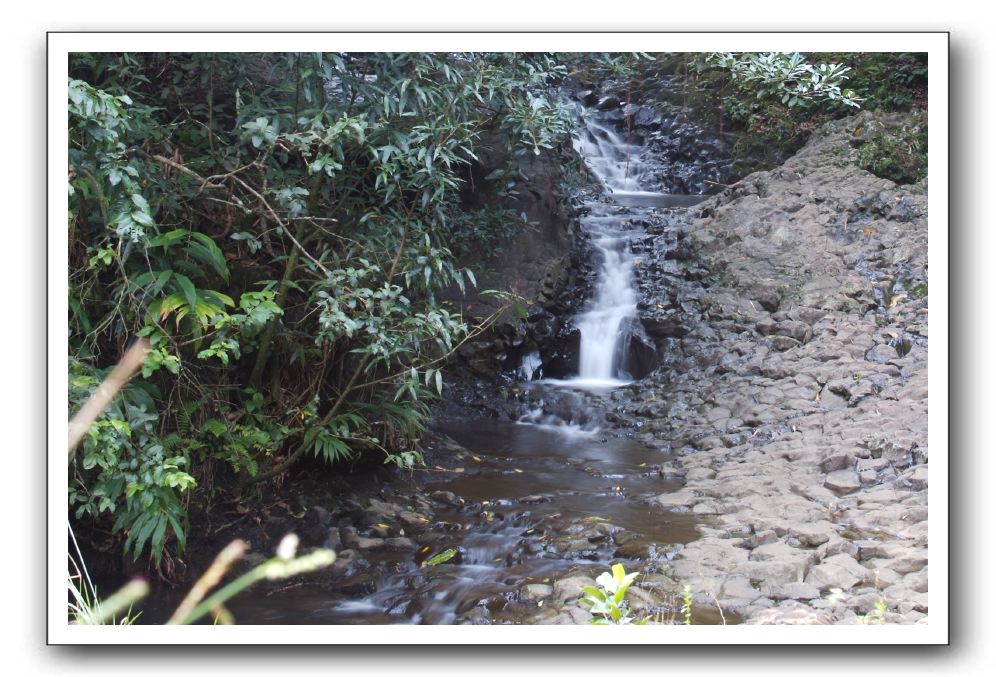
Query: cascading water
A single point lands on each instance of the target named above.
(616, 162)
(613, 159)
(614, 301)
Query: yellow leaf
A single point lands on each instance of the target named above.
(517, 470)
(896, 299)
(383, 526)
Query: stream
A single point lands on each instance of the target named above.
(551, 495)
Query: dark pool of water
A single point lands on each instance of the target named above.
(522, 477)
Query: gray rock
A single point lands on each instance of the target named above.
(573, 616)
(839, 571)
(800, 331)
(793, 591)
(535, 592)
(842, 481)
(797, 614)
(571, 588)
(814, 534)
(882, 353)
(916, 479)
(837, 459)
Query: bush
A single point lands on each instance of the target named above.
(278, 226)
(899, 155)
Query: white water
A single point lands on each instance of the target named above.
(617, 165)
(615, 162)
(614, 301)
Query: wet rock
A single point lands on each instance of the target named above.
(638, 353)
(561, 355)
(535, 592)
(347, 562)
(363, 543)
(662, 326)
(333, 540)
(447, 498)
(608, 103)
(398, 544)
(413, 521)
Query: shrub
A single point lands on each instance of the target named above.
(899, 155)
(278, 227)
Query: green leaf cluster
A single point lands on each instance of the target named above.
(282, 228)
(607, 603)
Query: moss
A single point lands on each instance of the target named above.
(899, 155)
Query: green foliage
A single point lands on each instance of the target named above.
(787, 77)
(771, 102)
(686, 604)
(127, 471)
(281, 228)
(608, 602)
(898, 155)
(886, 81)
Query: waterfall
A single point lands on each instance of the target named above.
(614, 301)
(617, 165)
(615, 162)
(613, 348)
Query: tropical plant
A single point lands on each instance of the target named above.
(787, 77)
(607, 603)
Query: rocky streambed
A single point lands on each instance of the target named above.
(788, 319)
(772, 455)
(793, 387)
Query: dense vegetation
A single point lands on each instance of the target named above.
(769, 103)
(279, 228)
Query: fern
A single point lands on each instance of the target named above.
(331, 448)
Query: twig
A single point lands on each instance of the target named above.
(222, 563)
(189, 172)
(105, 392)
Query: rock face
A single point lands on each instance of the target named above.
(538, 262)
(793, 386)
